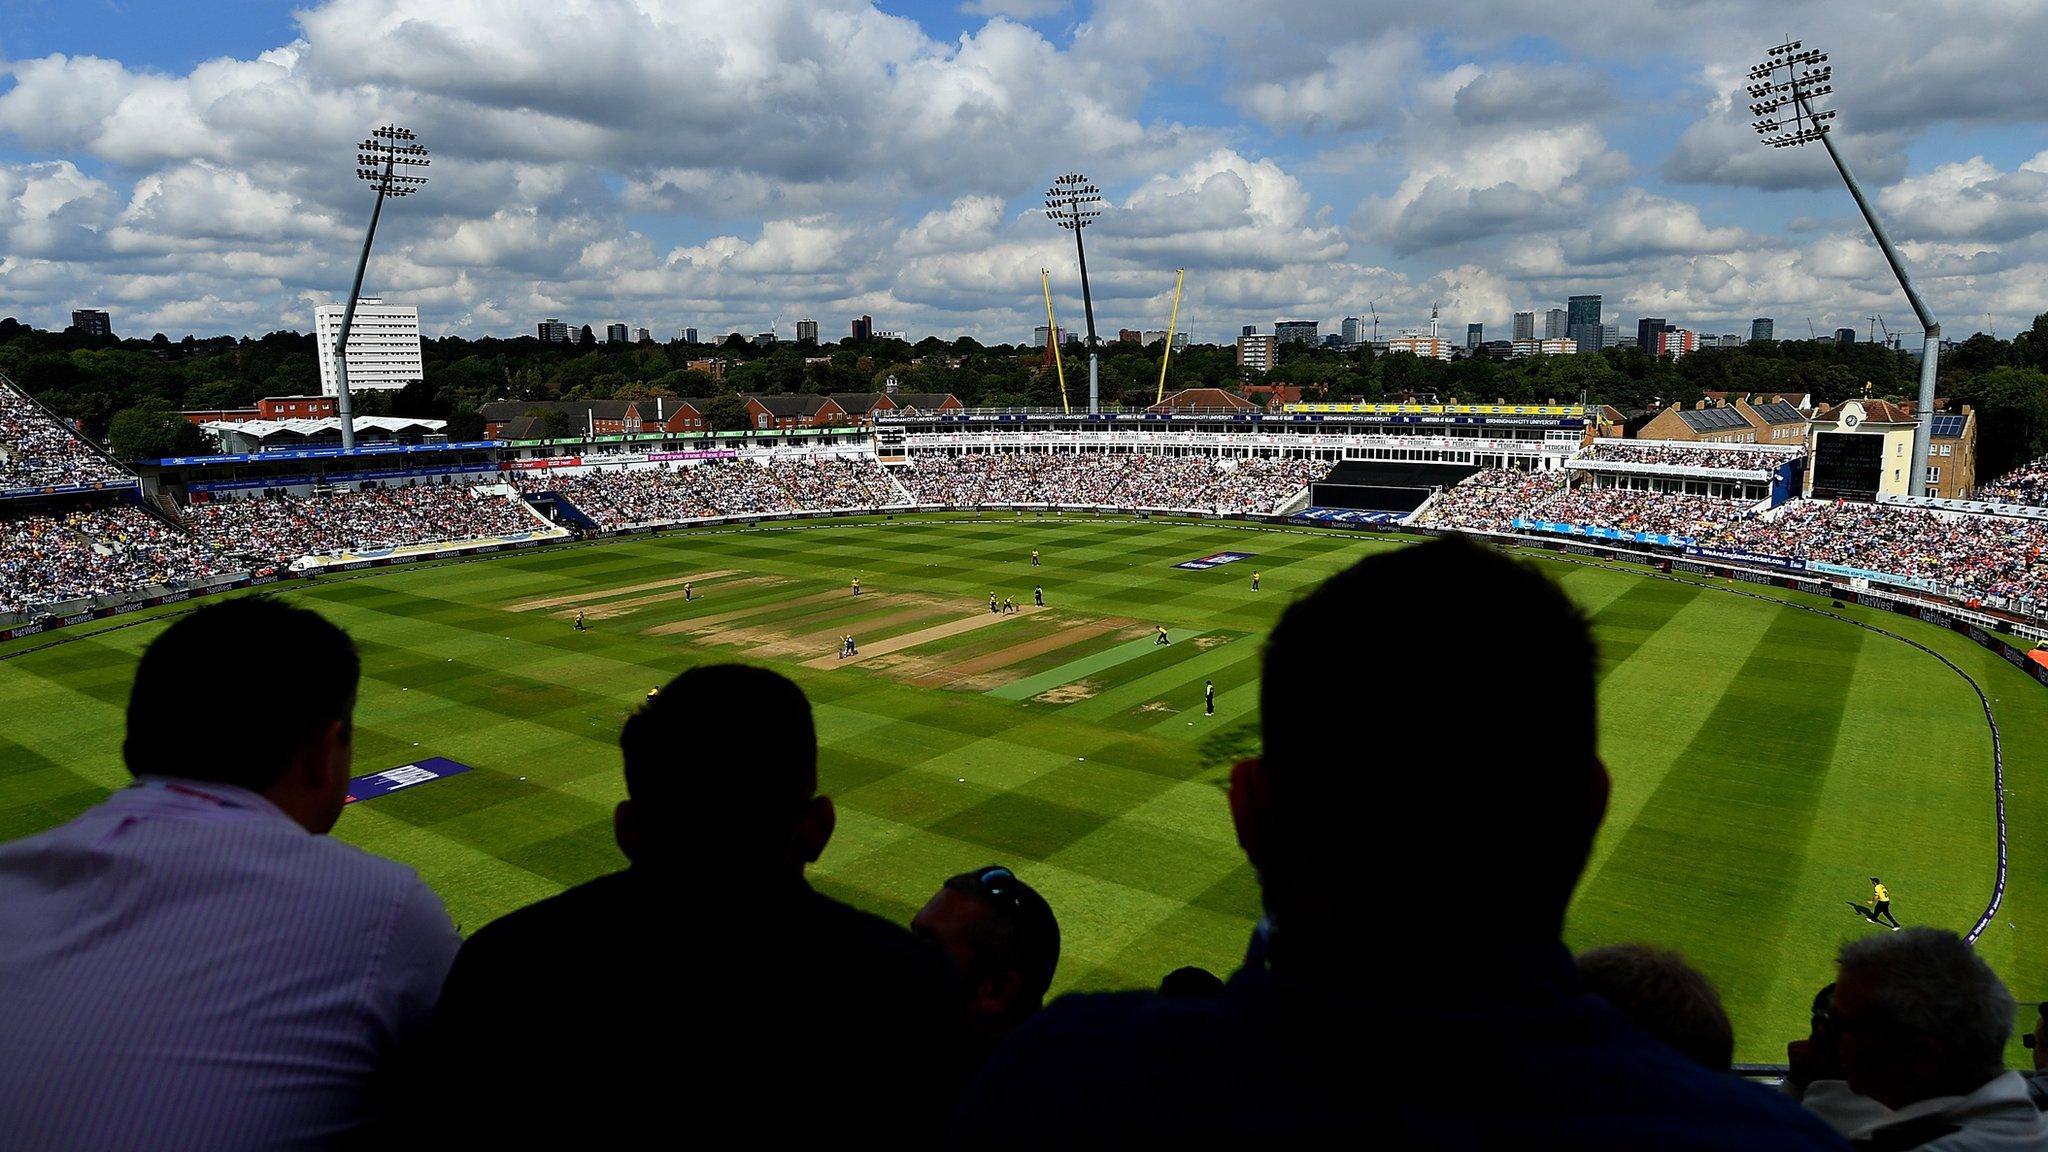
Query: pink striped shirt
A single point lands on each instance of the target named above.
(184, 966)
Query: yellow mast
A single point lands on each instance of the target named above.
(1052, 338)
(1181, 275)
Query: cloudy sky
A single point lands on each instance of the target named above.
(675, 162)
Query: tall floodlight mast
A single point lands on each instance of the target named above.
(1808, 77)
(387, 160)
(1073, 203)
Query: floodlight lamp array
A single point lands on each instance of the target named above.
(1072, 201)
(388, 149)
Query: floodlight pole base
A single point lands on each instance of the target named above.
(1094, 393)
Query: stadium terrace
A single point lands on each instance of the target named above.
(80, 534)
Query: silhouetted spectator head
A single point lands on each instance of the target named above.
(722, 769)
(1003, 940)
(1494, 820)
(1664, 996)
(1918, 1014)
(292, 735)
(1191, 981)
(1818, 1057)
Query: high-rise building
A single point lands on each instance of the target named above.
(1647, 330)
(91, 322)
(1256, 353)
(864, 328)
(1249, 330)
(553, 331)
(689, 335)
(1354, 330)
(1180, 341)
(642, 336)
(1610, 335)
(383, 345)
(1554, 324)
(1525, 325)
(1762, 328)
(1582, 322)
(1677, 342)
(1421, 344)
(1294, 331)
(1845, 335)
(1041, 334)
(616, 333)
(1475, 335)
(807, 329)
(1155, 336)
(1129, 336)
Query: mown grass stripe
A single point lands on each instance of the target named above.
(1087, 666)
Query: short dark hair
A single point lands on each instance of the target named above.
(1448, 629)
(1023, 934)
(719, 760)
(1663, 995)
(223, 651)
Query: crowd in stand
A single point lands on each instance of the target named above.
(1976, 556)
(1980, 556)
(36, 451)
(206, 968)
(50, 559)
(279, 528)
(1114, 479)
(1684, 455)
(637, 497)
(817, 483)
(2027, 484)
(1490, 501)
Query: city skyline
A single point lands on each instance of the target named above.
(181, 174)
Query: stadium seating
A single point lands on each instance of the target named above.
(1685, 456)
(277, 529)
(1973, 555)
(2027, 484)
(1490, 502)
(36, 451)
(1110, 479)
(51, 559)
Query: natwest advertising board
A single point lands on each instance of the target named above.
(546, 462)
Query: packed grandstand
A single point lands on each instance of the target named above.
(97, 547)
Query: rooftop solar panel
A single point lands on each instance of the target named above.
(1779, 412)
(1948, 425)
(1711, 419)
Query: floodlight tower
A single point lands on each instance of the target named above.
(1074, 203)
(1808, 76)
(378, 160)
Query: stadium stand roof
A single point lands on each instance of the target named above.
(860, 403)
(788, 403)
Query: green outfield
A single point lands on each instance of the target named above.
(1766, 759)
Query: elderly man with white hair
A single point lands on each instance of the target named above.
(1921, 1024)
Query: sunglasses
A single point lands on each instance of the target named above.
(998, 883)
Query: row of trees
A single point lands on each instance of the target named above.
(128, 389)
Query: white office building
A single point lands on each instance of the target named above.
(383, 345)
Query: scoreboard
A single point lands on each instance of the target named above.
(1847, 466)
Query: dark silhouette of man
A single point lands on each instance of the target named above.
(1354, 1027)
(194, 962)
(706, 987)
(1004, 943)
